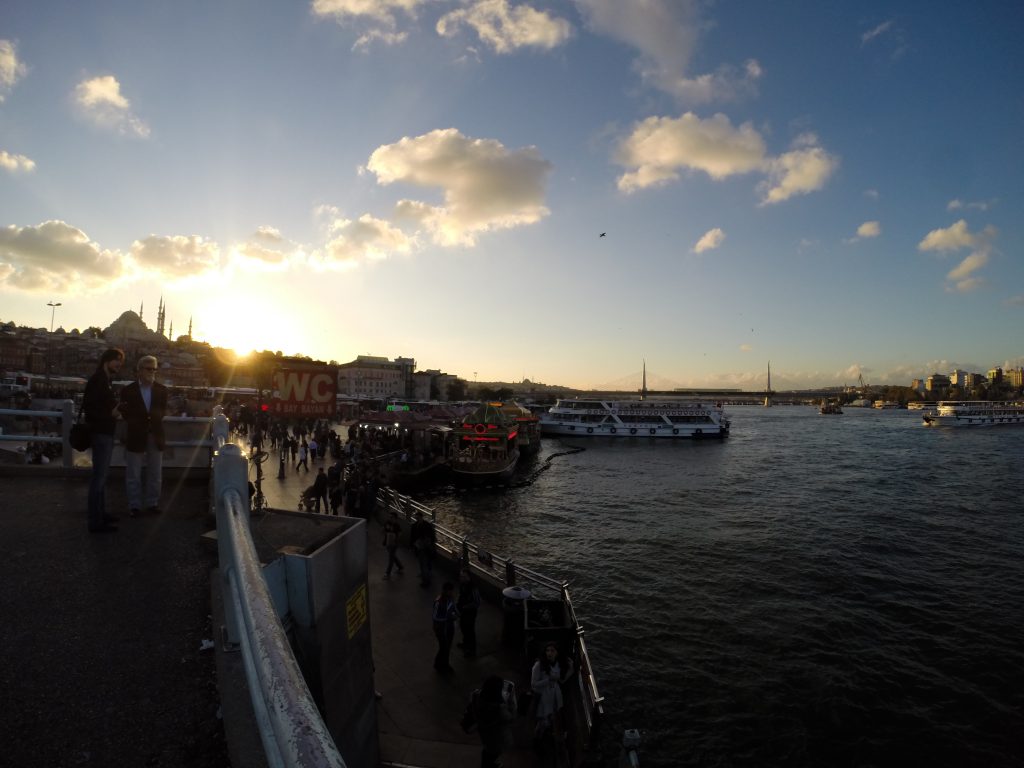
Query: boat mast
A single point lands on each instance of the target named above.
(643, 389)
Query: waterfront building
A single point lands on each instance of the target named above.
(958, 378)
(431, 384)
(937, 384)
(377, 377)
(995, 375)
(918, 385)
(1015, 377)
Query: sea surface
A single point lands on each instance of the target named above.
(812, 591)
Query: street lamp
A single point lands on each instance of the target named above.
(53, 311)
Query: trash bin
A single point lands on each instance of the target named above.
(513, 600)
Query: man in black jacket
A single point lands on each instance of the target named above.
(101, 413)
(143, 405)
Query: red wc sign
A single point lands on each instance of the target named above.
(305, 391)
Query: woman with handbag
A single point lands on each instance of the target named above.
(101, 414)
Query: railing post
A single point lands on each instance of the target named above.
(510, 573)
(465, 552)
(66, 420)
(230, 472)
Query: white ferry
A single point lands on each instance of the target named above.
(655, 417)
(975, 413)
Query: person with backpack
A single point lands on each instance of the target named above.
(493, 707)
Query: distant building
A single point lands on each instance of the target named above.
(958, 378)
(1015, 377)
(918, 385)
(995, 375)
(937, 384)
(432, 384)
(974, 380)
(371, 376)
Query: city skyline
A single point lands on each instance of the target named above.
(544, 190)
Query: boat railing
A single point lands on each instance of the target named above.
(502, 572)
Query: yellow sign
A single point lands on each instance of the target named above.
(355, 611)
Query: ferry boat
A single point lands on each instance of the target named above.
(529, 426)
(654, 417)
(975, 413)
(830, 407)
(486, 445)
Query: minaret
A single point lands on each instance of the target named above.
(141, 305)
(160, 317)
(768, 390)
(170, 331)
(190, 327)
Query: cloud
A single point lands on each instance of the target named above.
(871, 34)
(507, 29)
(485, 185)
(866, 230)
(1015, 301)
(11, 69)
(709, 240)
(16, 163)
(270, 234)
(362, 239)
(804, 169)
(659, 148)
(981, 205)
(55, 257)
(176, 256)
(101, 101)
(956, 237)
(746, 348)
(871, 194)
(381, 15)
(666, 34)
(952, 238)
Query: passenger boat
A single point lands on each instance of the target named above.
(647, 417)
(886, 404)
(830, 407)
(975, 413)
(529, 426)
(486, 445)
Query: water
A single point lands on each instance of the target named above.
(813, 591)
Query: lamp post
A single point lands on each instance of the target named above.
(53, 311)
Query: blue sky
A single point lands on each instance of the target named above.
(832, 187)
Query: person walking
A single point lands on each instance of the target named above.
(143, 406)
(392, 530)
(468, 605)
(320, 489)
(445, 613)
(303, 456)
(423, 539)
(101, 413)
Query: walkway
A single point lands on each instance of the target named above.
(101, 636)
(418, 716)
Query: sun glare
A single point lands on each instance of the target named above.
(245, 327)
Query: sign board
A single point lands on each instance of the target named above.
(355, 611)
(305, 391)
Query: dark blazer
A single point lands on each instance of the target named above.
(139, 422)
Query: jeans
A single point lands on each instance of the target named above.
(102, 450)
(152, 459)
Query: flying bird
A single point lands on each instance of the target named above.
(602, 234)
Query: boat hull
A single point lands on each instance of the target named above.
(662, 431)
(975, 414)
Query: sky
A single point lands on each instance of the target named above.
(559, 191)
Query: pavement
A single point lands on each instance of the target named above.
(101, 643)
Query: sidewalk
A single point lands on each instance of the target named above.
(418, 716)
(100, 639)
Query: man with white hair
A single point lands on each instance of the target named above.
(143, 405)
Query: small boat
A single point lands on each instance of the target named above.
(486, 445)
(830, 407)
(529, 426)
(975, 413)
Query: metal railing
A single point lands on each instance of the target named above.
(504, 572)
(67, 417)
(293, 732)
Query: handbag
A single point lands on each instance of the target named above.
(80, 436)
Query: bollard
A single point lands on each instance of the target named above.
(280, 467)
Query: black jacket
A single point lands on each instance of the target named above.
(98, 402)
(140, 422)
